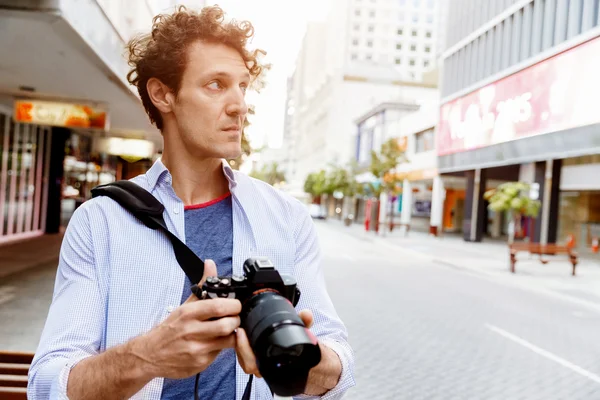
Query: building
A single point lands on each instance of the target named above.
(68, 117)
(414, 125)
(519, 94)
(365, 54)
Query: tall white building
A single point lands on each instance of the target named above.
(366, 53)
(399, 33)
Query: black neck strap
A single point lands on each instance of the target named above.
(149, 210)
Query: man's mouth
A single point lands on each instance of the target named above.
(232, 128)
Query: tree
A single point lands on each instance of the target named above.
(383, 166)
(513, 197)
(315, 184)
(269, 173)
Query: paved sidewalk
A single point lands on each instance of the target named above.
(491, 259)
(28, 254)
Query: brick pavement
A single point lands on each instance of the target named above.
(421, 332)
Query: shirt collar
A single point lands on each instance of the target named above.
(159, 172)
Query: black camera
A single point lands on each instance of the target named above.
(285, 349)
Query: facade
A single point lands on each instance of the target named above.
(519, 90)
(69, 120)
(419, 205)
(368, 52)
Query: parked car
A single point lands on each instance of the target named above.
(316, 211)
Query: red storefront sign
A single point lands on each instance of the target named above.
(559, 93)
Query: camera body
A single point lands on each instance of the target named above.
(259, 275)
(285, 349)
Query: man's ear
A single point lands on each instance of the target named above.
(160, 95)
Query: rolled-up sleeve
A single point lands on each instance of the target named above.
(327, 326)
(76, 317)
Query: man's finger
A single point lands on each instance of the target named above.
(210, 269)
(307, 317)
(210, 309)
(245, 354)
(222, 327)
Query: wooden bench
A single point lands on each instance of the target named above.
(541, 250)
(14, 367)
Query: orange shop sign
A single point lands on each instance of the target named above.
(60, 114)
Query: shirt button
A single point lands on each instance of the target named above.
(170, 309)
(176, 210)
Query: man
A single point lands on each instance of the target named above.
(123, 322)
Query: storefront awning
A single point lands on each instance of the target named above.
(69, 51)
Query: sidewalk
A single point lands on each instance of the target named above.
(491, 260)
(27, 254)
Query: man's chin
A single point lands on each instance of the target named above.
(229, 155)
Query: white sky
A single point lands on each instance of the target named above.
(279, 28)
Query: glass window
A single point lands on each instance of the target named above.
(371, 28)
(428, 34)
(398, 61)
(426, 63)
(424, 141)
(430, 19)
(369, 57)
(355, 42)
(413, 47)
(356, 27)
(400, 31)
(415, 18)
(369, 43)
(354, 56)
(372, 14)
(414, 33)
(416, 3)
(431, 3)
(357, 13)
(398, 46)
(412, 62)
(427, 49)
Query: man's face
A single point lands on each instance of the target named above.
(210, 108)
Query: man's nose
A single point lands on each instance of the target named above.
(237, 104)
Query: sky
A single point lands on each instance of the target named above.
(279, 28)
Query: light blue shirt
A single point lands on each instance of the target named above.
(118, 279)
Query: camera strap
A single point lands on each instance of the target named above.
(145, 207)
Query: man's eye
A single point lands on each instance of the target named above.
(215, 85)
(244, 88)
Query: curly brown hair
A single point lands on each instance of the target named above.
(162, 53)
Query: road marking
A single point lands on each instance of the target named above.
(544, 353)
(7, 293)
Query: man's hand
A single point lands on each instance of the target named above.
(322, 378)
(188, 341)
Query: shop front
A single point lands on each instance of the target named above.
(24, 161)
(531, 126)
(579, 215)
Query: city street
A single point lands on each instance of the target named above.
(420, 329)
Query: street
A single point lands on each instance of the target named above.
(420, 329)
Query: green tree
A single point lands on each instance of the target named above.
(270, 173)
(383, 165)
(316, 184)
(514, 198)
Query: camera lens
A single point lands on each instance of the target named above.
(285, 350)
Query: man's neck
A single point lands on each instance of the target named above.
(196, 181)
